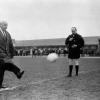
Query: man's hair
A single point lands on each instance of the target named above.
(3, 23)
(74, 28)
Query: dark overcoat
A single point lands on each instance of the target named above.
(6, 46)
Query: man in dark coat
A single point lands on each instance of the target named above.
(74, 43)
(7, 54)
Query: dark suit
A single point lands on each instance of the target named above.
(6, 53)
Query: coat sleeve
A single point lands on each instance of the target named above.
(11, 47)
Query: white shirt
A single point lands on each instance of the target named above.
(3, 32)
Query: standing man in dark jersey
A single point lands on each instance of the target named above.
(7, 54)
(74, 43)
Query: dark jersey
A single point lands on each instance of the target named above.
(74, 39)
(71, 40)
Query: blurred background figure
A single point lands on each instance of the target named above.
(31, 52)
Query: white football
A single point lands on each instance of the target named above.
(52, 57)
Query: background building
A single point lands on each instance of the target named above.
(92, 44)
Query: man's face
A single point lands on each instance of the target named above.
(74, 30)
(3, 26)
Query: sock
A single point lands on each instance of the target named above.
(70, 70)
(77, 69)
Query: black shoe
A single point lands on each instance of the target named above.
(2, 87)
(76, 75)
(69, 75)
(20, 75)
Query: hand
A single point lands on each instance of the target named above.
(74, 46)
(70, 39)
(8, 60)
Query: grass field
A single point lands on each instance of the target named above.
(51, 77)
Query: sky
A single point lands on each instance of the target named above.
(43, 19)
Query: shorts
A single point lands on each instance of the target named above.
(74, 54)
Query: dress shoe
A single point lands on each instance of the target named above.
(2, 87)
(69, 75)
(19, 75)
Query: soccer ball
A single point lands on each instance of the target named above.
(52, 57)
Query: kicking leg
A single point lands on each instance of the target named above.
(2, 70)
(13, 68)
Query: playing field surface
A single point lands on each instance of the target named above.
(47, 81)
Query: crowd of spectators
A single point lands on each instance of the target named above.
(35, 51)
(41, 51)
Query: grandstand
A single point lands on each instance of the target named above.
(92, 44)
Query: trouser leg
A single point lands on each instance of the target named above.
(12, 68)
(2, 70)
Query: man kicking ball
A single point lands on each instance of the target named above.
(6, 54)
(74, 43)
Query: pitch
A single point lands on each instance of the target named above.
(38, 69)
